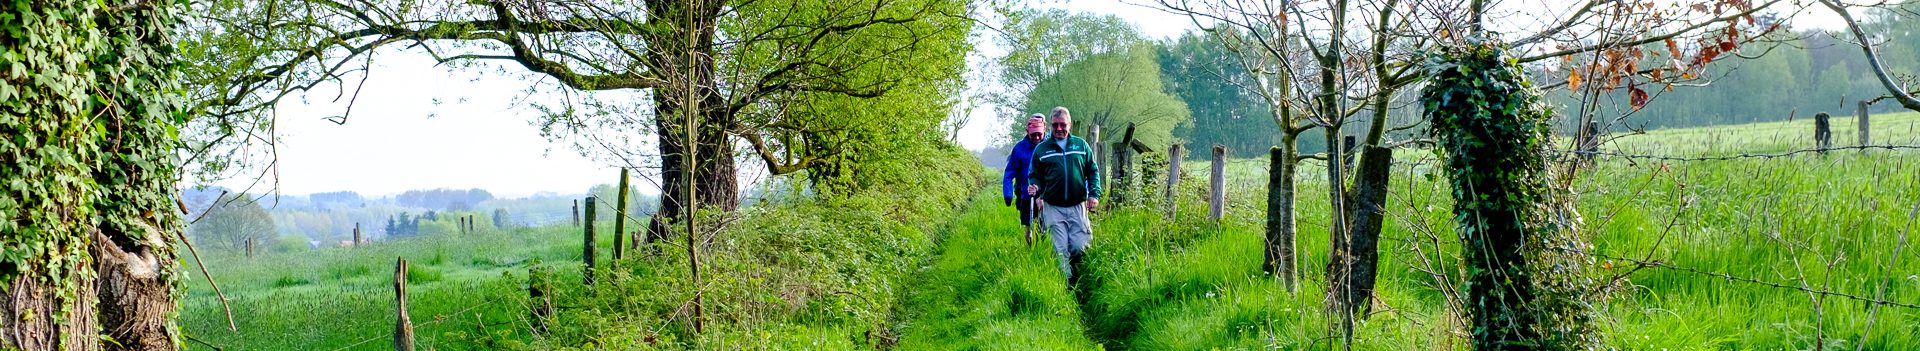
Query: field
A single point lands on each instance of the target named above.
(1750, 253)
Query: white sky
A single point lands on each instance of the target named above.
(480, 135)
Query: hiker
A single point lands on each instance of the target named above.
(1015, 174)
(1065, 178)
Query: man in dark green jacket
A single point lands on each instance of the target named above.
(1066, 179)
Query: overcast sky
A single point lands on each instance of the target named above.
(418, 126)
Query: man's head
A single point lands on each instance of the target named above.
(1036, 127)
(1062, 122)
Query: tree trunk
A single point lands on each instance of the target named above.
(713, 165)
(1366, 209)
(1280, 221)
(90, 239)
(1337, 234)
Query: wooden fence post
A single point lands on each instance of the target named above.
(249, 246)
(576, 212)
(356, 234)
(402, 325)
(1174, 155)
(1217, 195)
(1588, 141)
(1099, 150)
(1863, 124)
(586, 251)
(1122, 162)
(1822, 132)
(537, 284)
(620, 218)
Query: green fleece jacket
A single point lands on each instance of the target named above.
(1066, 176)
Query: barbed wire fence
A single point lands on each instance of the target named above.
(1807, 278)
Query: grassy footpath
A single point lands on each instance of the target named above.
(984, 289)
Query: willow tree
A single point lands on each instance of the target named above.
(749, 66)
(89, 109)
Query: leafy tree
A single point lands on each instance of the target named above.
(1205, 75)
(719, 71)
(232, 221)
(499, 218)
(1114, 89)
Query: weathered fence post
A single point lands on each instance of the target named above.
(1217, 195)
(576, 212)
(1863, 124)
(1099, 150)
(537, 284)
(356, 234)
(620, 218)
(586, 250)
(1588, 141)
(249, 246)
(1173, 180)
(1122, 162)
(1822, 132)
(402, 325)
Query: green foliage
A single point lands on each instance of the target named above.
(233, 220)
(1492, 130)
(1211, 81)
(1113, 89)
(89, 102)
(1041, 43)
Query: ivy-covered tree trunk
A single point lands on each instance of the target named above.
(90, 111)
(1492, 132)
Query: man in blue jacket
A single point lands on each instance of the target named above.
(1065, 177)
(1014, 177)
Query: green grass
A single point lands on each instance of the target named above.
(1187, 284)
(867, 272)
(1883, 129)
(985, 289)
(343, 298)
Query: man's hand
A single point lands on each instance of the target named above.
(1093, 202)
(1033, 190)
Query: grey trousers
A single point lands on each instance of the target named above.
(1071, 232)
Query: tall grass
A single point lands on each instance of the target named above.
(1810, 222)
(985, 289)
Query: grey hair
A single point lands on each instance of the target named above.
(1037, 115)
(1061, 111)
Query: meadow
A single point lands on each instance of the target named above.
(1748, 253)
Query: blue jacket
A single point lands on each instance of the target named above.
(1013, 181)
